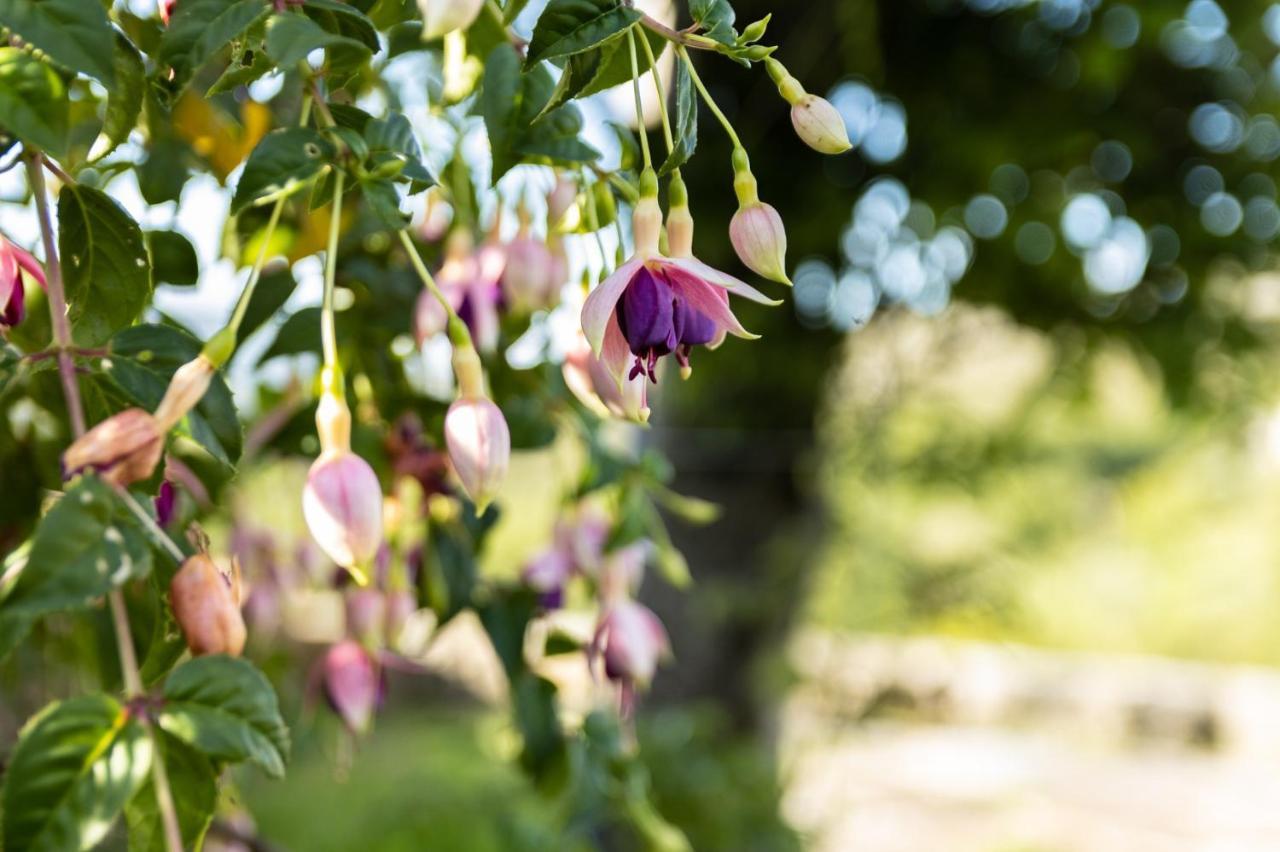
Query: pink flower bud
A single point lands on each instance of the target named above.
(760, 239)
(530, 279)
(186, 389)
(207, 608)
(166, 10)
(561, 197)
(479, 446)
(400, 608)
(124, 448)
(440, 17)
(342, 504)
(820, 125)
(632, 640)
(352, 684)
(13, 262)
(165, 503)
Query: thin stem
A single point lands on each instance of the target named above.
(456, 325)
(662, 94)
(71, 390)
(635, 87)
(328, 334)
(684, 39)
(706, 96)
(158, 536)
(57, 298)
(55, 170)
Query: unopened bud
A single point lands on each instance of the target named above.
(352, 684)
(207, 608)
(125, 448)
(366, 614)
(333, 417)
(646, 226)
(186, 389)
(165, 503)
(479, 446)
(529, 280)
(444, 16)
(760, 240)
(561, 198)
(820, 125)
(342, 504)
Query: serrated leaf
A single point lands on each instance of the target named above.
(499, 104)
(384, 201)
(200, 29)
(75, 766)
(141, 361)
(615, 69)
(104, 264)
(273, 290)
(290, 37)
(393, 136)
(226, 709)
(33, 102)
(76, 34)
(83, 548)
(685, 123)
(193, 780)
(567, 27)
(173, 258)
(284, 162)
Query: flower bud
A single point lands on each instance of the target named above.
(479, 446)
(820, 125)
(186, 389)
(342, 504)
(400, 608)
(632, 640)
(165, 503)
(547, 574)
(166, 10)
(444, 16)
(13, 262)
(529, 281)
(366, 614)
(206, 608)
(760, 240)
(124, 448)
(561, 198)
(352, 684)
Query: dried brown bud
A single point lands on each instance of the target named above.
(206, 608)
(124, 448)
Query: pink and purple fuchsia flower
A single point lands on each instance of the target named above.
(653, 306)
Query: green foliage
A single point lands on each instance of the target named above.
(75, 34)
(684, 128)
(226, 709)
(74, 768)
(284, 162)
(173, 258)
(33, 102)
(85, 546)
(291, 37)
(105, 264)
(124, 100)
(567, 27)
(193, 780)
(200, 29)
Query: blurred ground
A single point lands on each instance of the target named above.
(899, 746)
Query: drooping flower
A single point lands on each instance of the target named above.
(532, 275)
(561, 197)
(591, 382)
(470, 281)
(577, 548)
(756, 231)
(13, 262)
(352, 684)
(206, 606)
(653, 306)
(818, 124)
(342, 500)
(476, 433)
(631, 640)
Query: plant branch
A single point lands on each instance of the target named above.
(675, 36)
(662, 94)
(635, 88)
(328, 334)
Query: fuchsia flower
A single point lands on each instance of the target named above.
(352, 684)
(577, 548)
(470, 281)
(590, 381)
(13, 262)
(653, 306)
(475, 432)
(632, 640)
(533, 274)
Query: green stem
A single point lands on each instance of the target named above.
(706, 96)
(328, 334)
(662, 94)
(458, 331)
(635, 87)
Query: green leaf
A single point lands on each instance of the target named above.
(384, 201)
(290, 37)
(200, 29)
(499, 104)
(33, 102)
(124, 101)
(391, 140)
(716, 17)
(273, 290)
(284, 162)
(173, 258)
(449, 569)
(534, 704)
(104, 264)
(83, 548)
(345, 20)
(226, 709)
(75, 33)
(143, 359)
(685, 125)
(299, 333)
(75, 766)
(193, 779)
(567, 27)
(603, 68)
(506, 616)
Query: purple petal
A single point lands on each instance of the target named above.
(646, 314)
(600, 303)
